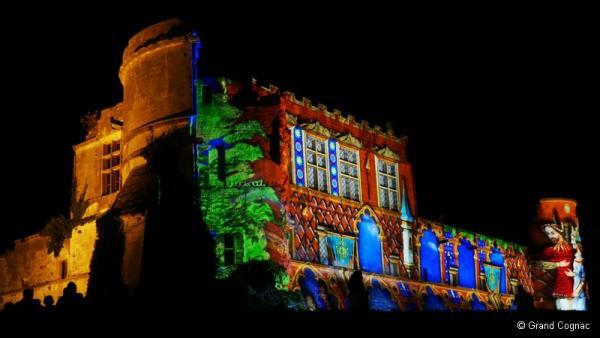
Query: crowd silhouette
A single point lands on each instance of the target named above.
(71, 302)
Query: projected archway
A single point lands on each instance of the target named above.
(430, 258)
(314, 291)
(369, 244)
(466, 264)
(380, 298)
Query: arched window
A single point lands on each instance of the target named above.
(380, 299)
(369, 244)
(430, 258)
(466, 264)
(476, 304)
(496, 258)
(433, 302)
(313, 291)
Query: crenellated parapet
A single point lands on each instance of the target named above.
(334, 117)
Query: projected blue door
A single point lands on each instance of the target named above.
(430, 258)
(466, 264)
(369, 244)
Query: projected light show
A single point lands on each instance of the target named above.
(229, 194)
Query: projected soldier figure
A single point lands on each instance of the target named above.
(560, 256)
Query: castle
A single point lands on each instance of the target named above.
(278, 178)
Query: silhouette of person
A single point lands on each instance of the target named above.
(523, 300)
(49, 304)
(357, 293)
(9, 308)
(70, 300)
(28, 305)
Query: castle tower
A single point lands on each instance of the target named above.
(562, 212)
(559, 217)
(156, 74)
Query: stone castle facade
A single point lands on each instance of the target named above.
(317, 192)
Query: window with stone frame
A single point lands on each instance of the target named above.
(394, 266)
(233, 248)
(316, 163)
(111, 167)
(387, 182)
(349, 173)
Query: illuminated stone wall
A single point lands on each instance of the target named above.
(30, 265)
(251, 196)
(156, 78)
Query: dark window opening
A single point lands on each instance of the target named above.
(63, 269)
(229, 249)
(206, 94)
(221, 163)
(275, 141)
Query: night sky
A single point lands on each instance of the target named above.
(493, 106)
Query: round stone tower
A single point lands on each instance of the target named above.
(156, 74)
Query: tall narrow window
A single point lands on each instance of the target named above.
(233, 249)
(229, 249)
(221, 171)
(430, 258)
(369, 244)
(111, 165)
(206, 95)
(394, 266)
(316, 164)
(63, 269)
(387, 176)
(349, 178)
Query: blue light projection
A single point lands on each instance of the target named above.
(477, 305)
(380, 299)
(196, 46)
(482, 256)
(311, 290)
(497, 259)
(333, 168)
(410, 307)
(405, 213)
(404, 290)
(195, 57)
(450, 261)
(369, 244)
(433, 302)
(430, 258)
(298, 156)
(466, 264)
(454, 297)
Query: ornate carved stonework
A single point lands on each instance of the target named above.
(387, 152)
(348, 138)
(317, 128)
(291, 119)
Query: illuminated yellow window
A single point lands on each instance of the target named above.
(111, 167)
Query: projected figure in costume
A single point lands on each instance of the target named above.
(579, 299)
(560, 256)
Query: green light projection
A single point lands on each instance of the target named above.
(239, 204)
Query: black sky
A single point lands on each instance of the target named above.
(493, 105)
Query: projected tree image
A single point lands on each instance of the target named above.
(235, 204)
